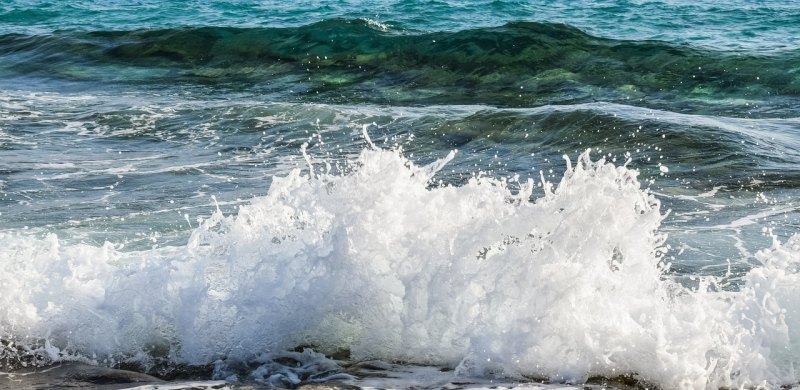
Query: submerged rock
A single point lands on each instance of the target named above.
(74, 375)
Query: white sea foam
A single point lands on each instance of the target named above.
(378, 261)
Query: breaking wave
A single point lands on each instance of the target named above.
(492, 278)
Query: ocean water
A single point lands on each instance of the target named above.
(503, 190)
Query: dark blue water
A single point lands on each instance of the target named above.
(127, 124)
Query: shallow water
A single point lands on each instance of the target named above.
(509, 190)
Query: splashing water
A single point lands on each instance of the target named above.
(381, 262)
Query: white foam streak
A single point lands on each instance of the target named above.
(753, 219)
(375, 261)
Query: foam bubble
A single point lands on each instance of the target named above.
(382, 263)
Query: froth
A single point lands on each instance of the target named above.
(383, 263)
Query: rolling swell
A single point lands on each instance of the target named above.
(355, 61)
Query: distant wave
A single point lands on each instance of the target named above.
(340, 61)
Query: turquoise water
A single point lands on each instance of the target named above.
(124, 125)
(737, 25)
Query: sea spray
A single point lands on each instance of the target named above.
(384, 263)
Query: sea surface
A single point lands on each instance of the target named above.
(275, 192)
